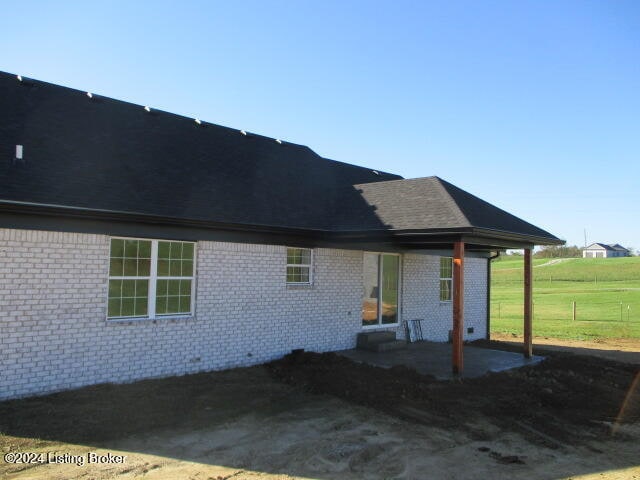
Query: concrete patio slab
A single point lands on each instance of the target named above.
(431, 358)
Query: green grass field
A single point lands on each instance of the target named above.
(606, 292)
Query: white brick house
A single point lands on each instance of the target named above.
(230, 250)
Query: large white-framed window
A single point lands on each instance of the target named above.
(446, 279)
(299, 266)
(151, 278)
(381, 296)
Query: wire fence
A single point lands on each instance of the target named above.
(575, 310)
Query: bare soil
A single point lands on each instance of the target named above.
(626, 350)
(323, 416)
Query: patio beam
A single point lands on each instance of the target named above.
(528, 299)
(458, 306)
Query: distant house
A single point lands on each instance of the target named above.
(602, 250)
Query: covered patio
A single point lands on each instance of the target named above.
(434, 358)
(434, 217)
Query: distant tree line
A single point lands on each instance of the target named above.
(562, 251)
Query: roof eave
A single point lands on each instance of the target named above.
(482, 236)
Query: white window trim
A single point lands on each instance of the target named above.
(153, 278)
(310, 265)
(445, 278)
(381, 325)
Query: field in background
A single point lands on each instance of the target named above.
(606, 293)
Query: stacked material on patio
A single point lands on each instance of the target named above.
(379, 341)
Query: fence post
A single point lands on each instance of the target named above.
(620, 311)
(574, 310)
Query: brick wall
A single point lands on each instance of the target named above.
(54, 335)
(421, 293)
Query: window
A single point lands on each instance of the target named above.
(381, 282)
(299, 265)
(150, 278)
(446, 278)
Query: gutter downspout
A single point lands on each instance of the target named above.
(493, 257)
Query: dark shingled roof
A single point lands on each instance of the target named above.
(433, 203)
(106, 154)
(103, 154)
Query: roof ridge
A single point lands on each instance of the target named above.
(103, 97)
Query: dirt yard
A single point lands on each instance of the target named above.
(324, 417)
(618, 349)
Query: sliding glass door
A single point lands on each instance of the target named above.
(381, 282)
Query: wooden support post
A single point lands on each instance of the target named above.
(528, 299)
(458, 305)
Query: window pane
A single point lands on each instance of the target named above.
(144, 249)
(176, 250)
(298, 275)
(161, 305)
(185, 287)
(128, 288)
(144, 267)
(304, 274)
(446, 267)
(175, 268)
(130, 267)
(127, 298)
(127, 307)
(130, 258)
(116, 267)
(370, 311)
(390, 283)
(164, 249)
(162, 287)
(187, 268)
(131, 248)
(174, 287)
(185, 304)
(140, 307)
(114, 307)
(187, 250)
(142, 288)
(299, 256)
(173, 304)
(163, 268)
(117, 248)
(115, 288)
(445, 290)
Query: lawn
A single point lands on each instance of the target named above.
(606, 293)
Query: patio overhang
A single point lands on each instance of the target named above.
(462, 242)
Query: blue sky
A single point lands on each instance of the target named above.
(533, 106)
